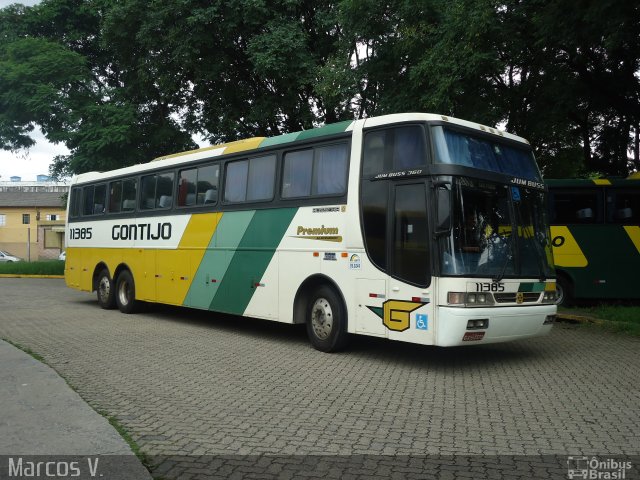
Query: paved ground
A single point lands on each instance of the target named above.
(43, 419)
(205, 394)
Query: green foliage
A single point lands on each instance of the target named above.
(120, 82)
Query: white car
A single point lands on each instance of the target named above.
(63, 255)
(7, 257)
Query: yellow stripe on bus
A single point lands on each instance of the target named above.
(601, 181)
(176, 268)
(566, 251)
(634, 235)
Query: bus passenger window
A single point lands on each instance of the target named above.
(250, 180)
(187, 187)
(580, 206)
(99, 199)
(235, 189)
(76, 204)
(625, 207)
(87, 200)
(115, 196)
(208, 184)
(129, 195)
(262, 172)
(296, 176)
(330, 172)
(148, 192)
(164, 190)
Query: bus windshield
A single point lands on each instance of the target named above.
(454, 147)
(482, 243)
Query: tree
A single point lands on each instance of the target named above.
(122, 81)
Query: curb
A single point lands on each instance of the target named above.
(25, 275)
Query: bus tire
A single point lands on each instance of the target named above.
(326, 320)
(105, 290)
(126, 293)
(564, 290)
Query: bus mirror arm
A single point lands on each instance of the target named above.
(443, 208)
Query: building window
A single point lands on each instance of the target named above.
(51, 217)
(26, 219)
(3, 219)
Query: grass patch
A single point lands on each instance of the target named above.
(26, 350)
(613, 318)
(113, 421)
(45, 267)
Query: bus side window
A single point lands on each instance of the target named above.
(75, 203)
(99, 199)
(330, 170)
(250, 180)
(148, 189)
(408, 148)
(115, 196)
(187, 187)
(87, 200)
(297, 172)
(373, 162)
(129, 188)
(164, 190)
(393, 149)
(577, 206)
(207, 191)
(624, 207)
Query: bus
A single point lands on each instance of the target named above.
(595, 230)
(414, 227)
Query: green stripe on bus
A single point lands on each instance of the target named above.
(326, 130)
(251, 259)
(216, 260)
(531, 287)
(280, 139)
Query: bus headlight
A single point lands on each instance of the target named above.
(456, 298)
(471, 299)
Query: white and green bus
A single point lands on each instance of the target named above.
(413, 227)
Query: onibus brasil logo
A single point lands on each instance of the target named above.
(594, 468)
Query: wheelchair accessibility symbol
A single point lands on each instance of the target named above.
(422, 321)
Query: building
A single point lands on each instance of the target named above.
(32, 219)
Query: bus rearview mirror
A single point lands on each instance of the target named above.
(443, 209)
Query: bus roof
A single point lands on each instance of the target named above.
(257, 143)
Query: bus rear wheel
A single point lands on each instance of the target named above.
(326, 320)
(105, 290)
(564, 290)
(126, 293)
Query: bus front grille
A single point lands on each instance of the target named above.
(527, 297)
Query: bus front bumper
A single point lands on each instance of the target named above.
(504, 324)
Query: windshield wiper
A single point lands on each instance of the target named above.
(541, 254)
(508, 258)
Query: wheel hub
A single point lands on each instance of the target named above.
(322, 318)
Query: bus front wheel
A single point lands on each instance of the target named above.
(126, 293)
(326, 320)
(105, 290)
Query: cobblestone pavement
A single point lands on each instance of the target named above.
(212, 395)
